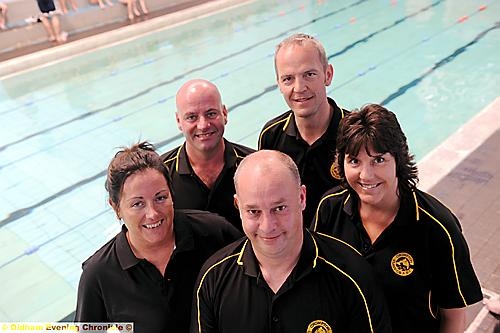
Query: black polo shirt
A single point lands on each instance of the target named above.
(421, 259)
(115, 286)
(315, 162)
(331, 287)
(190, 191)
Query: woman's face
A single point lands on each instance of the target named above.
(373, 176)
(146, 208)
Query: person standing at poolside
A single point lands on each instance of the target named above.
(50, 20)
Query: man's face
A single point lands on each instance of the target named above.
(201, 117)
(271, 203)
(302, 79)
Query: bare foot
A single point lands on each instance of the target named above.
(63, 36)
(137, 12)
(110, 4)
(131, 17)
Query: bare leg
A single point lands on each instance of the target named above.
(62, 3)
(3, 16)
(48, 28)
(56, 26)
(129, 9)
(73, 4)
(134, 6)
(143, 6)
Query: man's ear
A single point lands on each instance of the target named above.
(224, 113)
(235, 201)
(178, 120)
(302, 196)
(329, 74)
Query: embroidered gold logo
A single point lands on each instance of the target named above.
(319, 326)
(402, 264)
(334, 171)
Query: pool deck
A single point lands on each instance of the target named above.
(463, 172)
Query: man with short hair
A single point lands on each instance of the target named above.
(282, 277)
(307, 132)
(202, 168)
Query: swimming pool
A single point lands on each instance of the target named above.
(434, 63)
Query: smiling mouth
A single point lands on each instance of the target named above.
(270, 238)
(153, 226)
(204, 135)
(302, 99)
(368, 186)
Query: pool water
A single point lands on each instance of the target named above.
(434, 63)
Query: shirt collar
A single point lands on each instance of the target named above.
(290, 126)
(307, 259)
(184, 241)
(407, 213)
(184, 167)
(126, 257)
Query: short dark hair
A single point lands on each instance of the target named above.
(128, 161)
(375, 126)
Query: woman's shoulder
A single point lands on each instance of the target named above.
(433, 211)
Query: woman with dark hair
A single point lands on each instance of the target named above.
(413, 242)
(146, 273)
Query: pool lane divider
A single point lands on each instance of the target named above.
(169, 45)
(388, 59)
(15, 215)
(412, 84)
(176, 78)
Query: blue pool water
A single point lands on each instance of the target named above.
(434, 63)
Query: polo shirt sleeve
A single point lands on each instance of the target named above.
(454, 282)
(90, 305)
(203, 315)
(264, 142)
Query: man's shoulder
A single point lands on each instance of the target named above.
(274, 123)
(241, 150)
(169, 157)
(225, 257)
(273, 130)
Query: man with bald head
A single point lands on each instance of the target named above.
(202, 169)
(282, 277)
